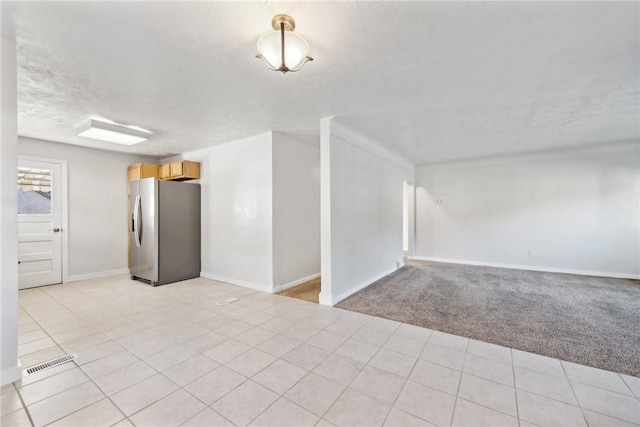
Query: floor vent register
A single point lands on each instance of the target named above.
(50, 364)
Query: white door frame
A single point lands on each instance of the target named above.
(63, 198)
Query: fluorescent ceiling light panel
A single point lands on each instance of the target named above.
(111, 132)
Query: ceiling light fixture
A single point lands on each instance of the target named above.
(283, 51)
(112, 132)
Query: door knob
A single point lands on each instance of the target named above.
(55, 230)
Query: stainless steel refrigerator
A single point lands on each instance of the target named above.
(164, 232)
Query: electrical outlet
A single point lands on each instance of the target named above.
(532, 253)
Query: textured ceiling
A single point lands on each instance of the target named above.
(432, 80)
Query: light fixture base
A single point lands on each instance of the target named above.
(289, 23)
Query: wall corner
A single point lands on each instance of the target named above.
(9, 363)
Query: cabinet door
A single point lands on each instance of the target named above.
(149, 171)
(134, 172)
(191, 169)
(164, 172)
(176, 169)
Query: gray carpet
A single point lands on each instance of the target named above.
(594, 321)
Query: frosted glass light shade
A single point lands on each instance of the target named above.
(282, 50)
(111, 132)
(295, 55)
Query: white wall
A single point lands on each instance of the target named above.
(97, 205)
(296, 211)
(362, 219)
(260, 211)
(10, 369)
(236, 181)
(577, 209)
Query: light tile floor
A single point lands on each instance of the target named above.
(171, 355)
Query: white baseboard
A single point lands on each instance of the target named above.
(97, 275)
(255, 286)
(529, 267)
(280, 288)
(331, 300)
(11, 375)
(324, 299)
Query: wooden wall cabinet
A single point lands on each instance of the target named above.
(141, 170)
(179, 171)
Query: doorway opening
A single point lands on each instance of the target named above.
(308, 291)
(405, 218)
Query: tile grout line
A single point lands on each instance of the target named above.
(633, 393)
(515, 388)
(584, 417)
(566, 377)
(406, 379)
(602, 388)
(180, 387)
(69, 309)
(282, 395)
(80, 317)
(493, 382)
(586, 409)
(89, 379)
(204, 409)
(592, 410)
(455, 402)
(123, 367)
(475, 376)
(44, 330)
(24, 406)
(243, 382)
(359, 371)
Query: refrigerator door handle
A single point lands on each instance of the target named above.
(136, 221)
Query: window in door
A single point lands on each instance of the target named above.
(34, 191)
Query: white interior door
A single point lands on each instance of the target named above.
(39, 223)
